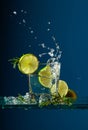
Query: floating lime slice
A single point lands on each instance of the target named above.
(62, 88)
(45, 76)
(28, 64)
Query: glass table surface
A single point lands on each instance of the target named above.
(80, 103)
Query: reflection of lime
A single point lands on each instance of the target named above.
(45, 76)
(28, 63)
(71, 94)
(62, 88)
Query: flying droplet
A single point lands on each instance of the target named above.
(35, 37)
(49, 22)
(40, 55)
(43, 45)
(29, 27)
(48, 29)
(25, 12)
(22, 10)
(24, 21)
(19, 22)
(31, 31)
(14, 12)
(29, 46)
(54, 39)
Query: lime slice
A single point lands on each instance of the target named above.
(45, 76)
(28, 64)
(53, 90)
(71, 94)
(62, 88)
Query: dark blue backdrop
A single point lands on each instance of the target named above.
(69, 24)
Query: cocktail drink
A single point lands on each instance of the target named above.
(45, 86)
(45, 78)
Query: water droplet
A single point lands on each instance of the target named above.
(43, 45)
(25, 12)
(40, 55)
(24, 21)
(29, 46)
(31, 31)
(35, 37)
(54, 39)
(14, 12)
(49, 22)
(19, 22)
(57, 47)
(51, 54)
(48, 29)
(48, 48)
(22, 10)
(29, 27)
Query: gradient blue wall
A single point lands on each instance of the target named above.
(69, 23)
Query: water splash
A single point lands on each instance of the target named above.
(53, 61)
(54, 53)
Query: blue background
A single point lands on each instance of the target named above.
(69, 24)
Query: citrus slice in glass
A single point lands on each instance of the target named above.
(45, 76)
(62, 88)
(53, 90)
(28, 64)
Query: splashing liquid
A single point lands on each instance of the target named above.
(53, 61)
(54, 54)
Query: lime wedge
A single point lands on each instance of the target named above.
(45, 76)
(53, 89)
(28, 64)
(62, 88)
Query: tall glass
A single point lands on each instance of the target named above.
(34, 84)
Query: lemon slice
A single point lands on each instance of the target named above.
(28, 64)
(62, 88)
(45, 76)
(71, 94)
